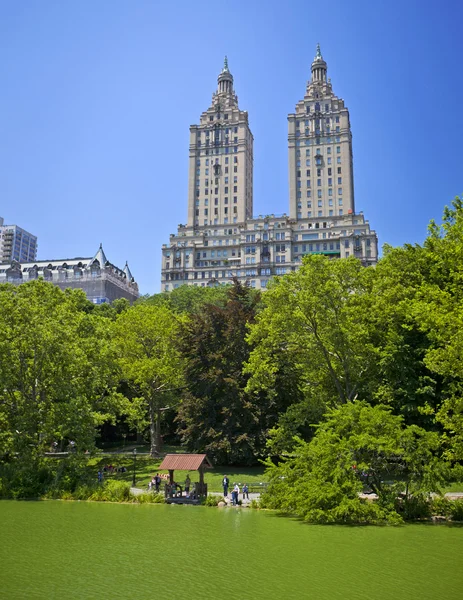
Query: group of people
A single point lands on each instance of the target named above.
(235, 491)
(111, 469)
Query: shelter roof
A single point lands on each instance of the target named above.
(185, 462)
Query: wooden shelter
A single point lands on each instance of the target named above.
(185, 462)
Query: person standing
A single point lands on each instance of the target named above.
(245, 491)
(235, 494)
(157, 482)
(187, 486)
(225, 484)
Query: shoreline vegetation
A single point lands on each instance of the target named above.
(340, 380)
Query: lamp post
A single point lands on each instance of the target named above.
(134, 465)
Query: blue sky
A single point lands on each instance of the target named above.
(97, 99)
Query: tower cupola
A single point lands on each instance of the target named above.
(225, 80)
(319, 67)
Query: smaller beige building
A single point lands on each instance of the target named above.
(100, 280)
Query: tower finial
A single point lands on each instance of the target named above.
(225, 65)
(319, 54)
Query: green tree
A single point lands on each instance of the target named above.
(311, 325)
(58, 374)
(146, 341)
(190, 299)
(216, 415)
(356, 445)
(438, 311)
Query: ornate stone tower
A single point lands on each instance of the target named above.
(321, 180)
(221, 161)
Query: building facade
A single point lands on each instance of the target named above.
(16, 244)
(100, 280)
(218, 243)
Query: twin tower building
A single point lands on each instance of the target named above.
(222, 239)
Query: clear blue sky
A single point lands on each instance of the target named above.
(97, 98)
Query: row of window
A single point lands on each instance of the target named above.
(198, 161)
(216, 129)
(317, 107)
(216, 201)
(216, 211)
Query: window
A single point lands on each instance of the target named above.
(226, 160)
(339, 191)
(307, 173)
(211, 118)
(307, 162)
(307, 152)
(320, 204)
(337, 119)
(309, 194)
(225, 190)
(330, 202)
(340, 212)
(235, 199)
(338, 149)
(338, 160)
(319, 182)
(308, 182)
(330, 192)
(329, 160)
(340, 201)
(235, 159)
(235, 130)
(330, 213)
(339, 170)
(225, 200)
(319, 213)
(339, 180)
(337, 129)
(319, 193)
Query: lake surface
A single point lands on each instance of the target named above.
(84, 550)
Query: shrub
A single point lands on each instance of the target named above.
(112, 491)
(212, 500)
(456, 510)
(254, 503)
(148, 498)
(441, 506)
(417, 506)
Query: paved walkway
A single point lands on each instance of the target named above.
(136, 491)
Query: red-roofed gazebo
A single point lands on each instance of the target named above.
(186, 462)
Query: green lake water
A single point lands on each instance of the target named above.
(68, 550)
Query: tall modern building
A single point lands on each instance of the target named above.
(222, 239)
(16, 243)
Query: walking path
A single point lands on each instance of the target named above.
(136, 491)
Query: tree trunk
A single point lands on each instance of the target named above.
(155, 429)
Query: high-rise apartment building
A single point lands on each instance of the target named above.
(221, 163)
(222, 239)
(16, 244)
(321, 179)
